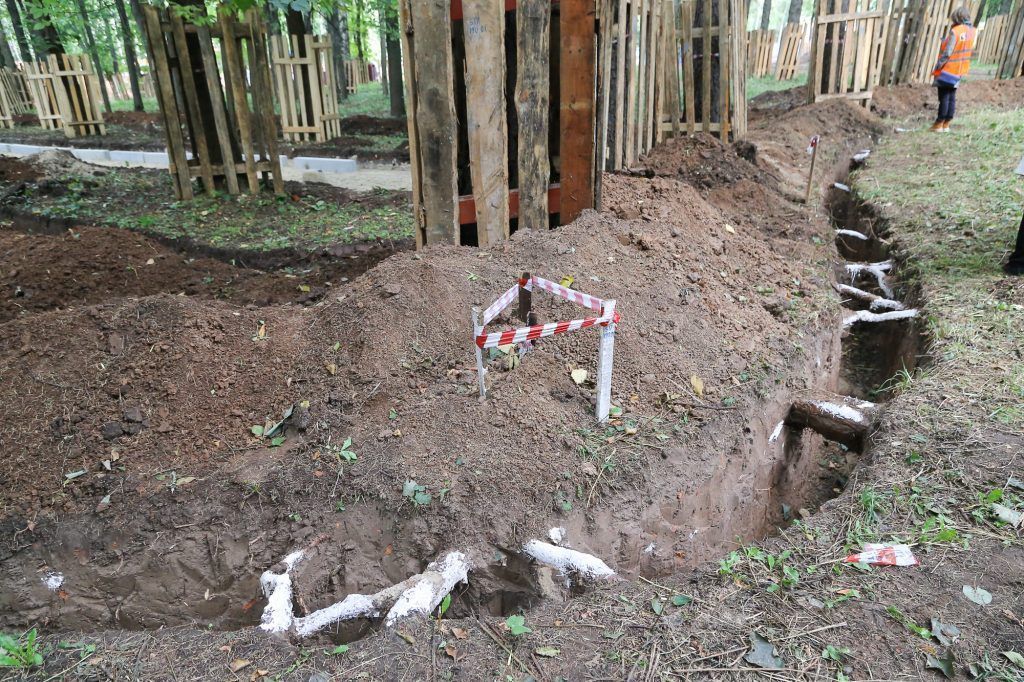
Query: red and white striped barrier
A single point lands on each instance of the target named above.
(608, 319)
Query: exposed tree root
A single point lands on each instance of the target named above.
(838, 418)
(876, 302)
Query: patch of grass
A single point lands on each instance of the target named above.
(368, 100)
(759, 86)
(132, 200)
(20, 652)
(149, 104)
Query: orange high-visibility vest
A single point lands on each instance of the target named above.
(960, 61)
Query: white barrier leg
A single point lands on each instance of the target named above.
(604, 365)
(480, 371)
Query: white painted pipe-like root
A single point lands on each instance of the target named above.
(417, 595)
(839, 418)
(876, 302)
(879, 271)
(852, 233)
(569, 562)
(868, 316)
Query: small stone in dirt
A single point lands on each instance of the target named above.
(117, 390)
(301, 418)
(628, 212)
(693, 277)
(133, 428)
(115, 343)
(133, 414)
(111, 430)
(392, 289)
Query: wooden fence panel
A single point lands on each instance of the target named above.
(1011, 64)
(760, 45)
(848, 51)
(229, 118)
(915, 29)
(292, 74)
(15, 89)
(791, 46)
(78, 94)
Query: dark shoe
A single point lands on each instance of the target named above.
(1014, 268)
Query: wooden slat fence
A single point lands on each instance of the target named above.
(229, 112)
(847, 51)
(44, 97)
(66, 94)
(358, 73)
(915, 29)
(760, 45)
(15, 89)
(1011, 65)
(791, 46)
(992, 39)
(293, 72)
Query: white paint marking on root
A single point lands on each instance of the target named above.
(862, 155)
(841, 411)
(878, 270)
(53, 581)
(568, 561)
(777, 432)
(557, 535)
(433, 585)
(868, 316)
(852, 233)
(876, 302)
(277, 615)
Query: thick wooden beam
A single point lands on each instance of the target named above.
(533, 101)
(467, 204)
(576, 106)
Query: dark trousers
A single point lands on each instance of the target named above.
(1017, 257)
(947, 103)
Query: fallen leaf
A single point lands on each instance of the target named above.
(406, 636)
(681, 600)
(460, 633)
(945, 633)
(185, 480)
(578, 375)
(452, 651)
(1015, 658)
(1004, 513)
(946, 664)
(978, 595)
(698, 385)
(547, 651)
(332, 368)
(238, 664)
(762, 653)
(730, 229)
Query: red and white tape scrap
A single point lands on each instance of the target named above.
(607, 319)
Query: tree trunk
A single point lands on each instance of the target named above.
(796, 8)
(382, 34)
(19, 31)
(766, 15)
(6, 56)
(394, 49)
(273, 19)
(130, 57)
(296, 25)
(108, 38)
(334, 20)
(91, 43)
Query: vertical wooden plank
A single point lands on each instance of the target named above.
(533, 102)
(192, 102)
(725, 37)
(314, 87)
(607, 37)
(706, 69)
(408, 72)
(219, 114)
(168, 103)
(576, 107)
(483, 23)
(660, 76)
(675, 105)
(620, 83)
(652, 68)
(262, 85)
(636, 6)
(688, 73)
(435, 116)
(233, 66)
(644, 65)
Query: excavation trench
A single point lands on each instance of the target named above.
(161, 572)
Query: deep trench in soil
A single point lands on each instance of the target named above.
(803, 471)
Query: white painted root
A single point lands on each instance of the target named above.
(876, 302)
(417, 595)
(568, 561)
(852, 233)
(879, 271)
(862, 155)
(868, 316)
(776, 432)
(853, 412)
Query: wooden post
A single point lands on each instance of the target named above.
(810, 176)
(525, 299)
(533, 100)
(481, 371)
(576, 108)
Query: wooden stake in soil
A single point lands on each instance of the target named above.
(525, 299)
(480, 371)
(810, 176)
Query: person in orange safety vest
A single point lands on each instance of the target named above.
(953, 64)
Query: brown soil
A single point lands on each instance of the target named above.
(919, 100)
(347, 146)
(372, 125)
(717, 277)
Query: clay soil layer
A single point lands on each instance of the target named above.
(138, 394)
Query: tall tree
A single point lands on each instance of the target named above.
(796, 8)
(381, 21)
(6, 56)
(19, 30)
(394, 49)
(766, 15)
(130, 58)
(297, 26)
(334, 20)
(94, 54)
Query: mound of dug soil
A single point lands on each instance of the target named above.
(701, 160)
(919, 99)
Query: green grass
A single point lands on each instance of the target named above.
(367, 100)
(144, 202)
(759, 86)
(959, 204)
(148, 104)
